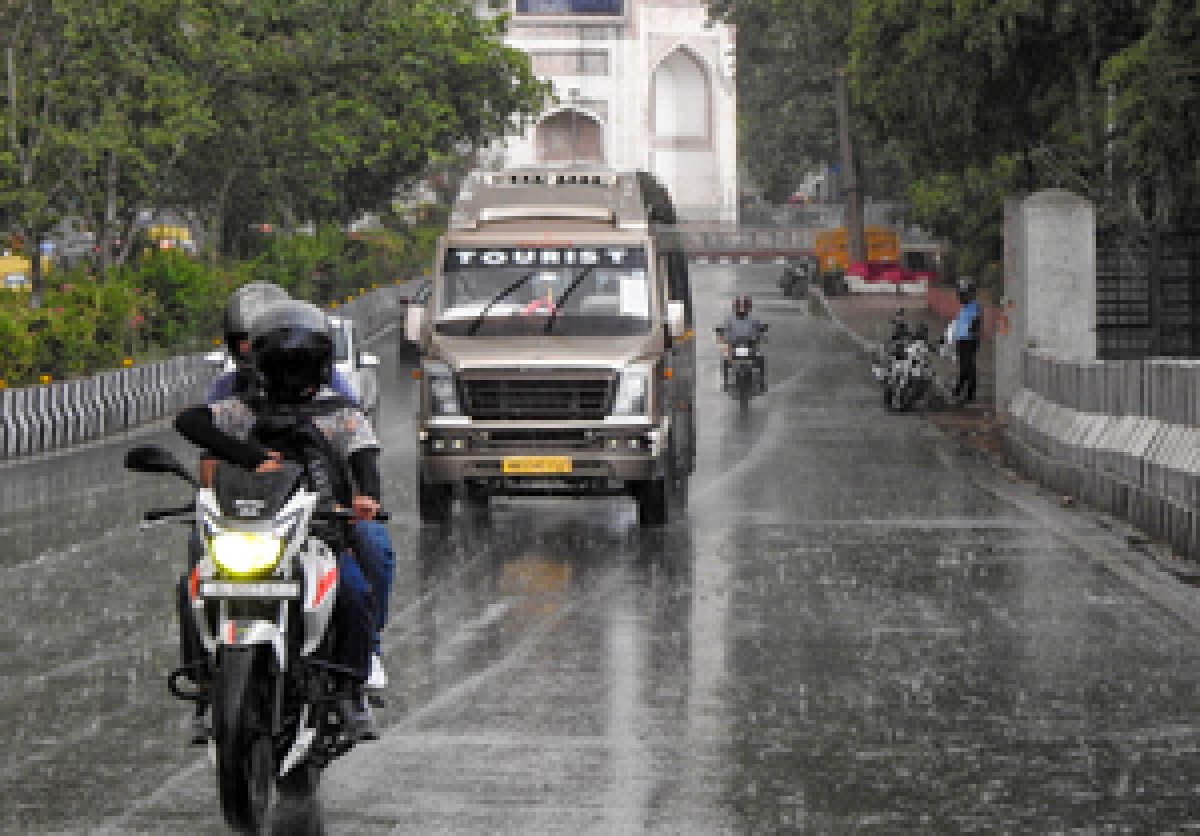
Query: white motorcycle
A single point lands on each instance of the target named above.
(906, 373)
(262, 597)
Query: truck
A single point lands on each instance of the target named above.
(557, 345)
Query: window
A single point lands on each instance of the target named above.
(681, 98)
(580, 62)
(570, 7)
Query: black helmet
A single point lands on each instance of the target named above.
(966, 289)
(742, 305)
(291, 344)
(247, 302)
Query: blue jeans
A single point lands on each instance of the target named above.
(374, 550)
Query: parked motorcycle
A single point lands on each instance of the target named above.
(905, 373)
(263, 598)
(744, 377)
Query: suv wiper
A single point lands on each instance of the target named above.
(482, 314)
(558, 303)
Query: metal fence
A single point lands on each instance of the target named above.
(1121, 435)
(1148, 294)
(57, 416)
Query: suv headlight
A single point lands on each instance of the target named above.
(633, 391)
(443, 394)
(245, 552)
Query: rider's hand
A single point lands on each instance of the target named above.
(271, 464)
(365, 507)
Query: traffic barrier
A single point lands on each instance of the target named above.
(1120, 435)
(58, 415)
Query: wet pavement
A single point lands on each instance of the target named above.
(859, 626)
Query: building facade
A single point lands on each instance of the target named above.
(641, 84)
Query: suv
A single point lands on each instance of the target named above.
(557, 351)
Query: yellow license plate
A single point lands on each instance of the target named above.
(536, 465)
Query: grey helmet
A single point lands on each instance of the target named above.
(291, 345)
(247, 302)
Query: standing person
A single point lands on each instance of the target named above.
(967, 328)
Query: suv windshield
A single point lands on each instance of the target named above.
(612, 299)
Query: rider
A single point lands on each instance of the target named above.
(372, 544)
(739, 327)
(292, 353)
(244, 304)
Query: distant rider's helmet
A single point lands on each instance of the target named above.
(741, 306)
(247, 302)
(291, 345)
(966, 290)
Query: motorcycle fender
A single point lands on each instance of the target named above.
(245, 632)
(234, 670)
(320, 592)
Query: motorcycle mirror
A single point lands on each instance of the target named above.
(151, 459)
(764, 326)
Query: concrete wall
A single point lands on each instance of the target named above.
(62, 415)
(1120, 435)
(1050, 283)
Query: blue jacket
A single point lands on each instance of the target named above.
(967, 324)
(222, 387)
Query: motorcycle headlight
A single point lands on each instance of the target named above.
(245, 552)
(443, 394)
(633, 391)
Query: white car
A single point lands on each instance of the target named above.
(356, 365)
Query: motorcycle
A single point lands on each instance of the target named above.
(744, 373)
(263, 597)
(906, 373)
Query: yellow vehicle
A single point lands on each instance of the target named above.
(833, 247)
(16, 271)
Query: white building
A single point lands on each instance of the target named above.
(642, 84)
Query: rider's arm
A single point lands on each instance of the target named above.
(364, 467)
(196, 425)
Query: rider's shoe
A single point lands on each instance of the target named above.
(200, 726)
(377, 679)
(361, 719)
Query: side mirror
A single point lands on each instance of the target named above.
(365, 359)
(151, 459)
(718, 330)
(414, 322)
(676, 319)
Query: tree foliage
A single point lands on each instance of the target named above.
(241, 110)
(977, 100)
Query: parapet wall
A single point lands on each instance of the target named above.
(1119, 435)
(61, 415)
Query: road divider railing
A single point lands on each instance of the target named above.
(1119, 435)
(60, 415)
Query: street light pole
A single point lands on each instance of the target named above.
(854, 203)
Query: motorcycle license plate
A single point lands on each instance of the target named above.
(257, 590)
(741, 351)
(536, 465)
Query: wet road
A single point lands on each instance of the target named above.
(856, 628)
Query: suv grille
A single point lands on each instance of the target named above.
(525, 398)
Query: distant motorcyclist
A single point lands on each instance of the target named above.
(742, 326)
(291, 413)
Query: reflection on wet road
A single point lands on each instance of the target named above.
(849, 631)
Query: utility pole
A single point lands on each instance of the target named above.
(857, 244)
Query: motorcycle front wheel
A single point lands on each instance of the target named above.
(245, 757)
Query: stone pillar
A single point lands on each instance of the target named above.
(1050, 283)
